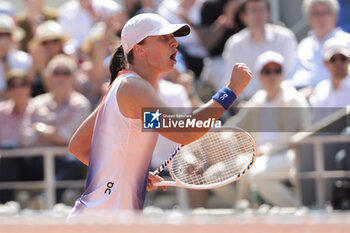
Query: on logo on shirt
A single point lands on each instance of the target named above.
(108, 189)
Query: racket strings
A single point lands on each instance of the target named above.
(215, 158)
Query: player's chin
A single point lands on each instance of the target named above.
(169, 69)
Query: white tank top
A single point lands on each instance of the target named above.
(119, 159)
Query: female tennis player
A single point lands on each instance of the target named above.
(111, 140)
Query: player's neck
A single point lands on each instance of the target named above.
(146, 73)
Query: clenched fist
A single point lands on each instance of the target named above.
(240, 78)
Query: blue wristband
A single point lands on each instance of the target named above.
(225, 97)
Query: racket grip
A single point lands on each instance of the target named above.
(166, 183)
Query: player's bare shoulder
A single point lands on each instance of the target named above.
(134, 85)
(135, 93)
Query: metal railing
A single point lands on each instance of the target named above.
(320, 174)
(49, 183)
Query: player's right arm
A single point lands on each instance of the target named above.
(80, 143)
(134, 94)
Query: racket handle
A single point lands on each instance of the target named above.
(166, 183)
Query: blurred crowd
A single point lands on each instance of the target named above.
(54, 72)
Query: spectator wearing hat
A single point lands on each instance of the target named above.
(333, 92)
(12, 113)
(35, 14)
(10, 57)
(258, 37)
(47, 43)
(57, 114)
(322, 17)
(272, 115)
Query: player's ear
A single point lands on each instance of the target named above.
(138, 49)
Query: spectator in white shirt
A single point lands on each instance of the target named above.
(334, 92)
(258, 37)
(322, 18)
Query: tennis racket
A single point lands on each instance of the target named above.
(218, 158)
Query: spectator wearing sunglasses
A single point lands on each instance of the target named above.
(10, 57)
(13, 109)
(47, 43)
(334, 92)
(272, 115)
(12, 112)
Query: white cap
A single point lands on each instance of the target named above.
(49, 30)
(148, 24)
(335, 45)
(266, 58)
(7, 24)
